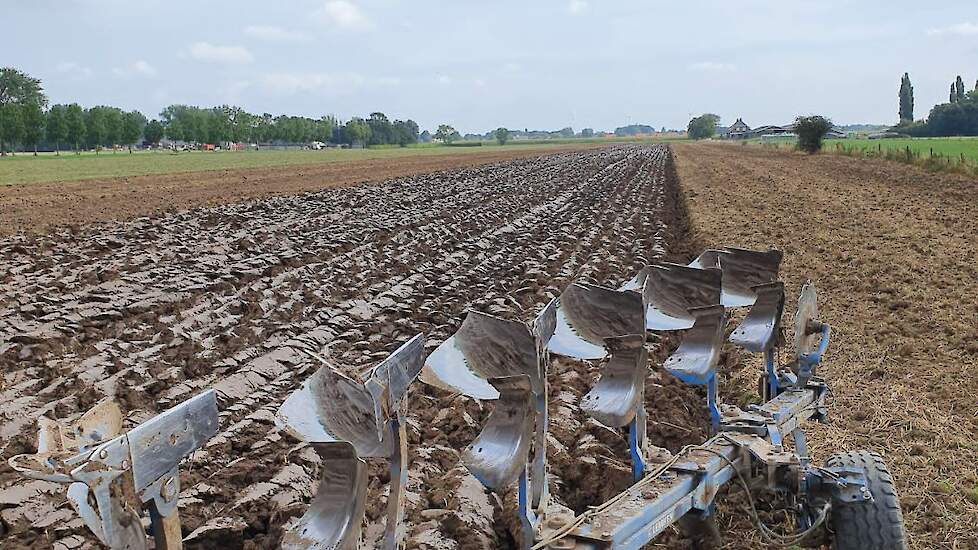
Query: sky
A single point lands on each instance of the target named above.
(478, 65)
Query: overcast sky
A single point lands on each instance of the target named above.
(480, 64)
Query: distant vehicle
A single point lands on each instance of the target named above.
(887, 135)
(207, 147)
(317, 145)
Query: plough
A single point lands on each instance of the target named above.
(113, 475)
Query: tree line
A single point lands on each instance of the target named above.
(27, 122)
(957, 117)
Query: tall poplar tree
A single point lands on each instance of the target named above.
(906, 99)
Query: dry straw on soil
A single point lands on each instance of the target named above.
(891, 248)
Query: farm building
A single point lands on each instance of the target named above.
(788, 130)
(738, 130)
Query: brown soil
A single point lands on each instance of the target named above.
(41, 206)
(892, 251)
(153, 311)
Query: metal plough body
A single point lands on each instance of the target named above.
(112, 475)
(346, 421)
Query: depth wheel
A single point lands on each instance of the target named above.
(876, 525)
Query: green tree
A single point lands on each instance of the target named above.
(953, 119)
(703, 126)
(153, 132)
(95, 129)
(357, 131)
(405, 132)
(75, 124)
(954, 94)
(811, 132)
(133, 123)
(446, 133)
(587, 133)
(56, 126)
(959, 89)
(324, 128)
(11, 126)
(32, 117)
(113, 127)
(906, 99)
(19, 87)
(242, 123)
(381, 129)
(501, 135)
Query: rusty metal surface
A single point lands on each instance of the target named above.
(587, 314)
(694, 361)
(760, 329)
(672, 290)
(616, 396)
(806, 340)
(499, 453)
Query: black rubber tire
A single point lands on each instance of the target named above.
(876, 525)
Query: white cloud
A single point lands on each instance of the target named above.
(577, 7)
(712, 67)
(205, 51)
(959, 29)
(137, 68)
(343, 14)
(444, 79)
(293, 83)
(276, 34)
(73, 69)
(322, 83)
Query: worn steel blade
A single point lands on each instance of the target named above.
(331, 407)
(761, 328)
(499, 453)
(388, 382)
(806, 340)
(335, 515)
(588, 314)
(484, 347)
(694, 361)
(672, 290)
(615, 398)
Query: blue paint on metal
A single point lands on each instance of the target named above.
(711, 403)
(638, 461)
(672, 504)
(808, 361)
(527, 517)
(772, 374)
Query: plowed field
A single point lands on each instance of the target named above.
(154, 310)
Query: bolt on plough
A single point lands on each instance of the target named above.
(848, 503)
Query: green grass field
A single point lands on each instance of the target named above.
(47, 167)
(948, 147)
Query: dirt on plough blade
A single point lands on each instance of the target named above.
(153, 311)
